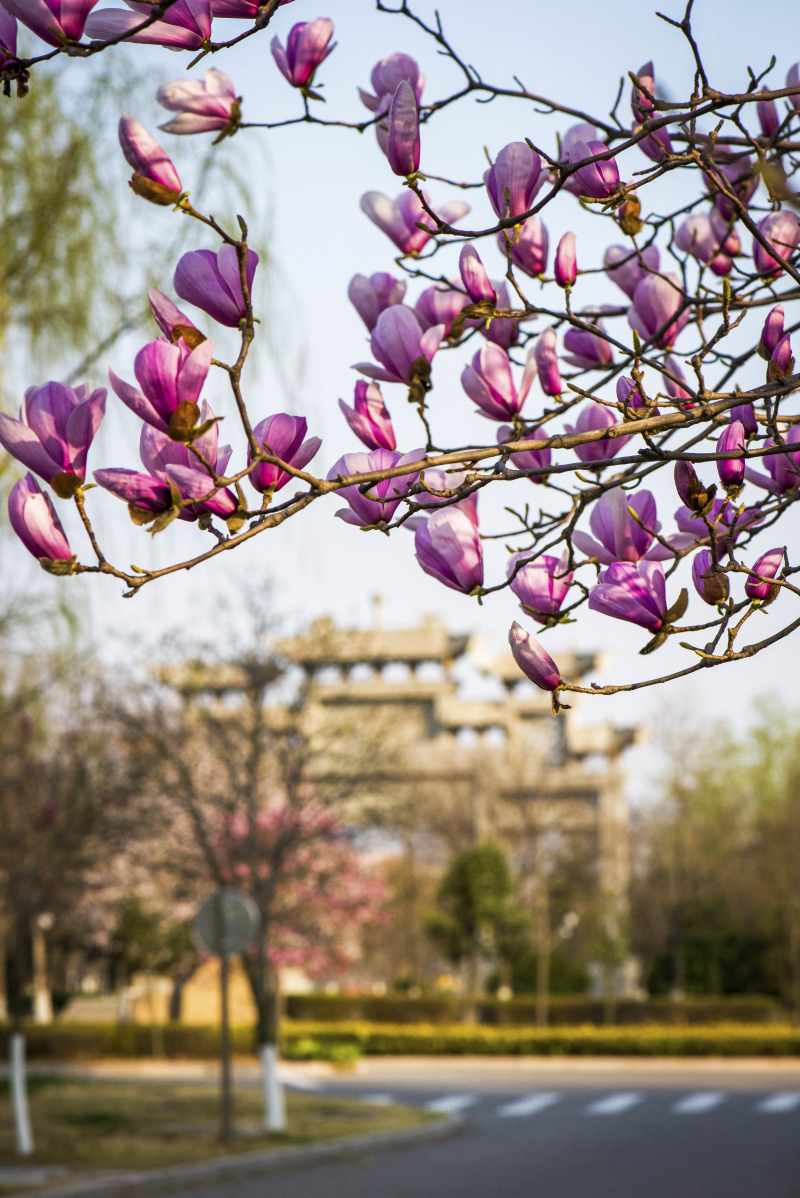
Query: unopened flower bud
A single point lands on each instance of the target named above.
(771, 332)
(694, 494)
(711, 585)
(781, 364)
(731, 470)
(767, 566)
(566, 267)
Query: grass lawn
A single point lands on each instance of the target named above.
(90, 1124)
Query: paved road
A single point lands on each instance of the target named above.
(570, 1129)
(538, 1128)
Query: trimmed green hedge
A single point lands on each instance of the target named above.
(344, 1041)
(61, 1041)
(306, 1040)
(521, 1012)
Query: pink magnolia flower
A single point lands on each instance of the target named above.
(306, 49)
(674, 388)
(528, 248)
(598, 180)
(441, 305)
(56, 426)
(768, 118)
(659, 142)
(36, 523)
(546, 359)
(145, 155)
(448, 547)
(793, 80)
(731, 470)
(747, 418)
(771, 333)
(489, 383)
(443, 480)
(781, 364)
(626, 268)
(186, 24)
(620, 538)
(283, 436)
(706, 236)
(656, 301)
(54, 21)
(727, 513)
(712, 587)
(398, 218)
(782, 231)
(8, 36)
(201, 107)
(398, 342)
(534, 661)
(518, 168)
(373, 295)
(170, 462)
(238, 10)
(474, 276)
(595, 416)
(174, 324)
(737, 169)
(631, 396)
(632, 591)
(587, 351)
(383, 498)
(783, 468)
(767, 566)
(369, 417)
(169, 375)
(213, 282)
(541, 584)
(398, 130)
(565, 267)
(528, 459)
(386, 77)
(575, 134)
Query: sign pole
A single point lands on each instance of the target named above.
(225, 925)
(226, 1130)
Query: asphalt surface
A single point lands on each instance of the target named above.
(568, 1129)
(544, 1128)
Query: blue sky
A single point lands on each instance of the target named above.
(308, 181)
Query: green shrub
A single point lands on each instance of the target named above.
(564, 1010)
(724, 1039)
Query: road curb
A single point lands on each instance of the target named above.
(252, 1164)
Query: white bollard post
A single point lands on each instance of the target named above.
(274, 1104)
(19, 1092)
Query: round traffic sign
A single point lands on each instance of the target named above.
(226, 923)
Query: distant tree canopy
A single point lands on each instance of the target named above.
(715, 899)
(476, 913)
(74, 264)
(58, 247)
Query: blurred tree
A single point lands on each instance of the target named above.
(58, 242)
(59, 815)
(243, 791)
(477, 917)
(716, 859)
(77, 251)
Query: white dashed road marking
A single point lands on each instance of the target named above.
(698, 1104)
(615, 1104)
(530, 1105)
(776, 1104)
(451, 1104)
